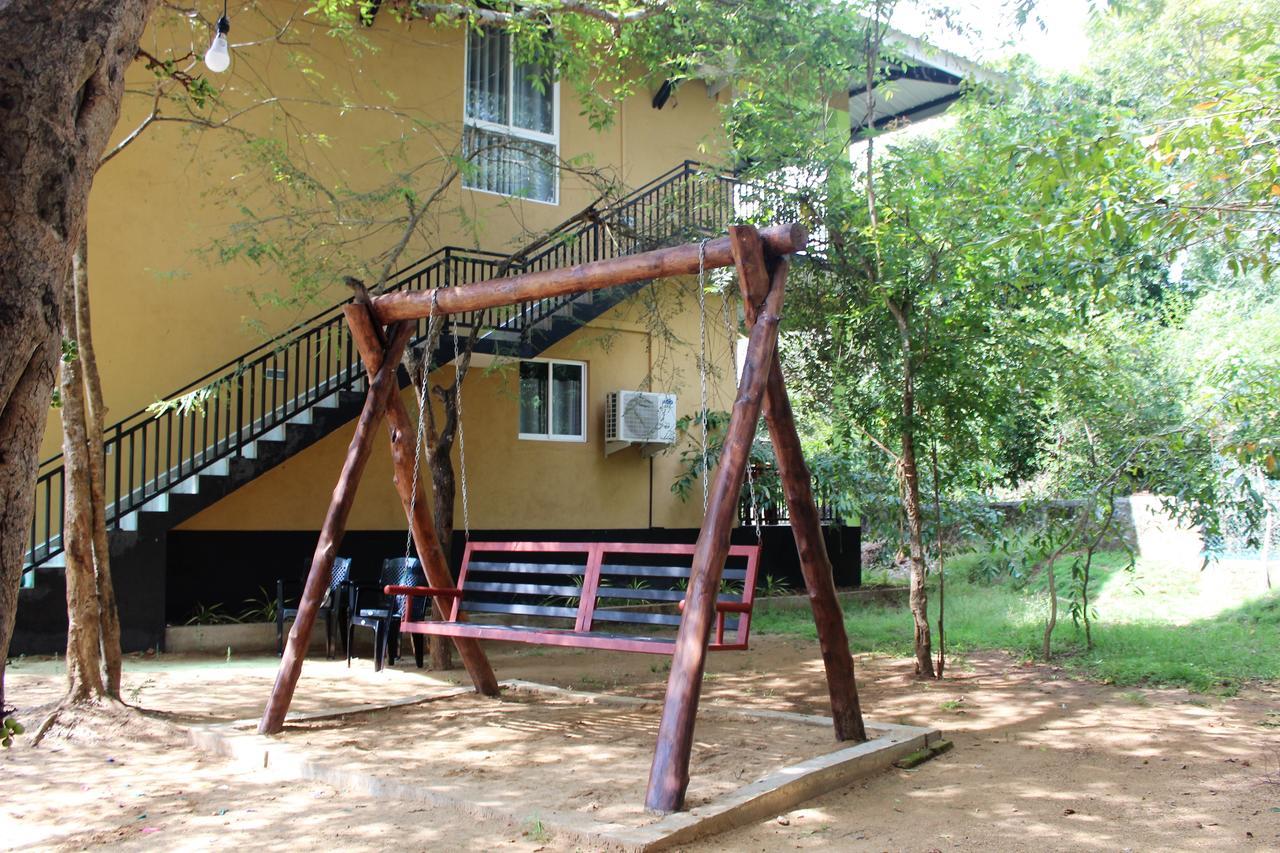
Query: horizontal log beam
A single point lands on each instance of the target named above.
(597, 275)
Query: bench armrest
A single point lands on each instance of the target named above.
(725, 606)
(425, 591)
(732, 607)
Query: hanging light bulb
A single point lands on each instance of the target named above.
(218, 58)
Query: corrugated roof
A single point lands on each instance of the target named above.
(918, 81)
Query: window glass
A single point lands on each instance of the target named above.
(487, 68)
(532, 102)
(534, 399)
(552, 394)
(510, 134)
(511, 166)
(566, 392)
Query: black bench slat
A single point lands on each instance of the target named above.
(529, 568)
(521, 609)
(589, 593)
(639, 594)
(534, 629)
(635, 618)
(525, 589)
(632, 594)
(663, 571)
(546, 637)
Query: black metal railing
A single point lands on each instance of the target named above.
(767, 512)
(219, 414)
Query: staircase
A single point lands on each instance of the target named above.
(224, 429)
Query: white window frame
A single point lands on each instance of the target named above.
(510, 129)
(551, 403)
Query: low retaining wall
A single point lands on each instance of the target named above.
(244, 638)
(888, 595)
(239, 638)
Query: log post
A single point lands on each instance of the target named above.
(368, 341)
(331, 532)
(815, 564)
(669, 775)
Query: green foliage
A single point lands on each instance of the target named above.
(1010, 560)
(1159, 628)
(1022, 294)
(9, 729)
(690, 433)
(1199, 82)
(262, 608)
(772, 586)
(534, 829)
(297, 209)
(854, 494)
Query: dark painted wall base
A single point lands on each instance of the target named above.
(233, 568)
(138, 572)
(166, 580)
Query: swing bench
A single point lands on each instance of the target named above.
(576, 588)
(524, 579)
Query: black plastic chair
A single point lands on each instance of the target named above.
(373, 609)
(333, 606)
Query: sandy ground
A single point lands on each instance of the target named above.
(1042, 762)
(541, 756)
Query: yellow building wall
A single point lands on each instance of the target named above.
(518, 483)
(165, 315)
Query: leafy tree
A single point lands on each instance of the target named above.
(1200, 80)
(60, 91)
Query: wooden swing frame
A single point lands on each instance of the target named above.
(381, 329)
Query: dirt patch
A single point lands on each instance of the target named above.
(539, 755)
(1042, 761)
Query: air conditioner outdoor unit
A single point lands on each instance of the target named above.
(639, 417)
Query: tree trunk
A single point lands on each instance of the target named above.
(82, 422)
(61, 82)
(915, 541)
(84, 624)
(440, 463)
(1047, 648)
(1085, 576)
(942, 563)
(910, 474)
(440, 457)
(1268, 530)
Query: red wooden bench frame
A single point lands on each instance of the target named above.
(583, 634)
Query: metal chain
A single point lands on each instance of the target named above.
(432, 320)
(462, 443)
(702, 360)
(733, 371)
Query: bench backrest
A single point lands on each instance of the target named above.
(587, 586)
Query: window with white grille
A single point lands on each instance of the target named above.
(512, 119)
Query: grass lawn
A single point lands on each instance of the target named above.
(1166, 623)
